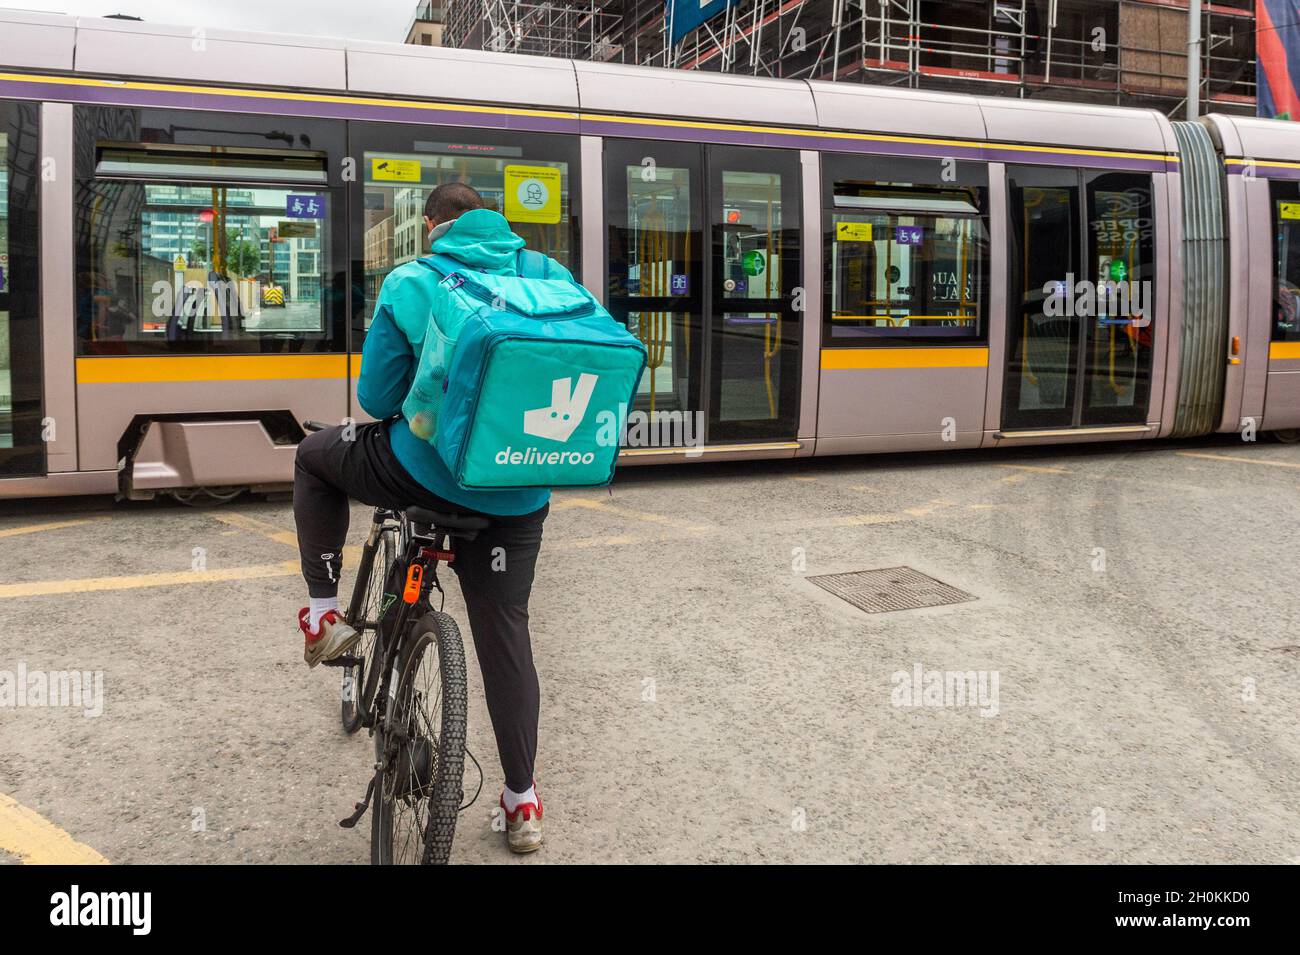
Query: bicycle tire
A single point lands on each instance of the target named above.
(445, 790)
(357, 693)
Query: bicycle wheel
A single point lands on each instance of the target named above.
(357, 693)
(419, 790)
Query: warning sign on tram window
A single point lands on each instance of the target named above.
(853, 231)
(395, 170)
(532, 194)
(1289, 210)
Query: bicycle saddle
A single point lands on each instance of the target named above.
(446, 522)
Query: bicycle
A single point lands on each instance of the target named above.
(408, 684)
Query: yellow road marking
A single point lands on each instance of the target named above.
(37, 841)
(52, 526)
(853, 520)
(40, 588)
(927, 509)
(258, 526)
(1238, 457)
(1035, 468)
(584, 542)
(598, 505)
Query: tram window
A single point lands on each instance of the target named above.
(528, 184)
(198, 248)
(905, 262)
(1286, 261)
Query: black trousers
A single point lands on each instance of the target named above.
(495, 570)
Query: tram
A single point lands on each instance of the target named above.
(194, 225)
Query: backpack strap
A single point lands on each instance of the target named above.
(444, 265)
(531, 265)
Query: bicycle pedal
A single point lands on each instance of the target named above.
(343, 661)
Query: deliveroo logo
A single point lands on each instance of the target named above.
(561, 417)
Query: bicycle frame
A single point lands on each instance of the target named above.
(417, 561)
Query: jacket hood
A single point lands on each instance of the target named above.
(482, 239)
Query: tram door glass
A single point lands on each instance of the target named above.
(718, 320)
(21, 449)
(754, 344)
(1082, 294)
(656, 283)
(1042, 349)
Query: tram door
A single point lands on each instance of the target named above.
(1082, 299)
(22, 448)
(704, 267)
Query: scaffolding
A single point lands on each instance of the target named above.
(582, 30)
(1124, 52)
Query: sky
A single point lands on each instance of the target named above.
(347, 19)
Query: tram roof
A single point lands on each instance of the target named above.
(147, 50)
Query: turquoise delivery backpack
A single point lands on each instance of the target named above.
(522, 382)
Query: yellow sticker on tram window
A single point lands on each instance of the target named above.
(853, 231)
(532, 194)
(395, 170)
(1289, 210)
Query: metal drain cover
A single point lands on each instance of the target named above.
(890, 589)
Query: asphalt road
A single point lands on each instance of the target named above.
(1132, 646)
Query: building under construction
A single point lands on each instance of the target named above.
(1126, 52)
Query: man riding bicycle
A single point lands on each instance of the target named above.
(386, 465)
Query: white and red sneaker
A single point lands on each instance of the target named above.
(333, 638)
(524, 825)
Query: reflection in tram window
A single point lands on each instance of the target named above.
(210, 258)
(532, 193)
(1286, 260)
(906, 264)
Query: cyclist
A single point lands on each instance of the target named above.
(385, 465)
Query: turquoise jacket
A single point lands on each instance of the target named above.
(480, 239)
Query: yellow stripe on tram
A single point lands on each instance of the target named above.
(139, 369)
(842, 359)
(649, 122)
(1284, 350)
